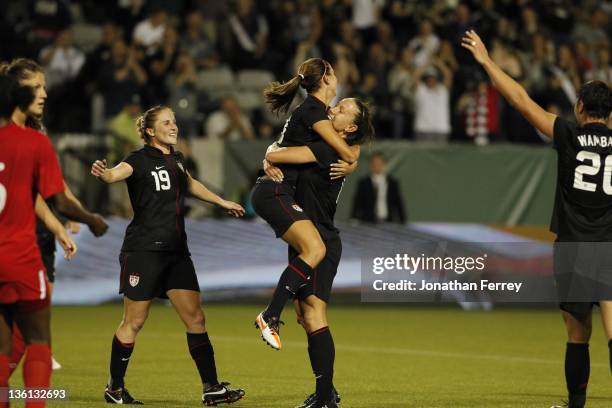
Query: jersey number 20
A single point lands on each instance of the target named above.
(2, 191)
(162, 180)
(592, 170)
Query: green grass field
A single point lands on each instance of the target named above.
(386, 357)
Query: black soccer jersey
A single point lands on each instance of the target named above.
(317, 193)
(157, 189)
(298, 131)
(583, 199)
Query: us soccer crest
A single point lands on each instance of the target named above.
(134, 279)
(297, 208)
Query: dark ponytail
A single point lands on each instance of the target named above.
(280, 95)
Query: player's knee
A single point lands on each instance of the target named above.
(315, 252)
(135, 324)
(195, 321)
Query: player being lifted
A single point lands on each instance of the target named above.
(274, 201)
(582, 216)
(155, 259)
(29, 173)
(317, 193)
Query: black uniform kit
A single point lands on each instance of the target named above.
(318, 195)
(582, 215)
(154, 257)
(274, 202)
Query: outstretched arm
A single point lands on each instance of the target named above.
(118, 173)
(199, 191)
(514, 93)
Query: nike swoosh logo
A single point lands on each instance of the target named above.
(221, 392)
(116, 401)
(160, 167)
(125, 359)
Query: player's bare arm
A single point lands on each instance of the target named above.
(52, 223)
(199, 191)
(71, 207)
(514, 93)
(329, 134)
(120, 172)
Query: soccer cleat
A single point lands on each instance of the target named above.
(55, 365)
(323, 404)
(566, 404)
(269, 330)
(120, 396)
(313, 397)
(221, 394)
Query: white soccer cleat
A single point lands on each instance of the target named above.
(269, 331)
(55, 365)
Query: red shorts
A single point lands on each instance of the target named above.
(28, 287)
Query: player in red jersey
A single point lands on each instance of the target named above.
(28, 167)
(28, 73)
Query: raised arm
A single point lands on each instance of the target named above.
(514, 93)
(52, 223)
(118, 173)
(329, 134)
(199, 191)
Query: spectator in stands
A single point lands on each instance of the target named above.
(400, 14)
(120, 78)
(199, 40)
(47, 19)
(101, 55)
(602, 70)
(182, 94)
(365, 18)
(332, 14)
(159, 65)
(479, 108)
(229, 123)
(425, 44)
(123, 130)
(246, 44)
(150, 32)
(378, 197)
(432, 102)
(400, 89)
(62, 61)
(593, 30)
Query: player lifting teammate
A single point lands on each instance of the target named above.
(582, 216)
(155, 259)
(28, 170)
(274, 201)
(318, 195)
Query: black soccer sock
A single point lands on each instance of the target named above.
(577, 370)
(610, 348)
(296, 274)
(120, 357)
(202, 352)
(323, 352)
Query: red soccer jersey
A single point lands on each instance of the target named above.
(28, 165)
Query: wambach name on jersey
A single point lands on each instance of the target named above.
(594, 140)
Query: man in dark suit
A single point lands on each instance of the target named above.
(378, 198)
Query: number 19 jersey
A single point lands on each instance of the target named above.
(157, 189)
(583, 199)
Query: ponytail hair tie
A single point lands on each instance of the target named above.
(301, 76)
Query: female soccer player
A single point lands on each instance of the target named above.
(29, 73)
(28, 166)
(155, 260)
(318, 195)
(582, 217)
(275, 203)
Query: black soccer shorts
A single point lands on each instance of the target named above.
(274, 203)
(583, 275)
(322, 279)
(148, 274)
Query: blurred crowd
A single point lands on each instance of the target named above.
(210, 59)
